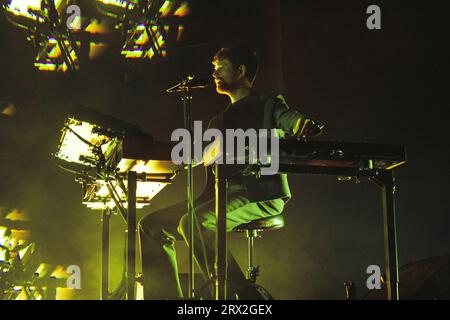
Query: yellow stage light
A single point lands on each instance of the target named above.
(79, 141)
(166, 8)
(119, 3)
(183, 10)
(96, 26)
(25, 8)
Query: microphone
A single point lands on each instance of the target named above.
(190, 82)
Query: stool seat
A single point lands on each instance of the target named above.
(268, 223)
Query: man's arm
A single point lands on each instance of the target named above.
(285, 118)
(293, 122)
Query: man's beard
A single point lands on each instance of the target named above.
(224, 87)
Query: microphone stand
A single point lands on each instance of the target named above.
(185, 89)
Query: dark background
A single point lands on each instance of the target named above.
(386, 86)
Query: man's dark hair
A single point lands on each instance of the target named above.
(239, 55)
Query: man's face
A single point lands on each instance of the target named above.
(225, 75)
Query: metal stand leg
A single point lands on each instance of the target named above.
(221, 234)
(106, 214)
(131, 235)
(385, 180)
(185, 89)
(188, 124)
(252, 271)
(250, 251)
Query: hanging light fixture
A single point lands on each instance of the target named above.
(27, 9)
(115, 8)
(55, 48)
(148, 28)
(144, 31)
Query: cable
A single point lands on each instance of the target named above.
(80, 137)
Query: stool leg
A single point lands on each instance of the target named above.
(252, 271)
(250, 252)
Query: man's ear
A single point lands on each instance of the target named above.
(242, 71)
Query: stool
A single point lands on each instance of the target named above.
(251, 230)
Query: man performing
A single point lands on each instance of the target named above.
(248, 197)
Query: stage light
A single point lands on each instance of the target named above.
(115, 8)
(24, 12)
(38, 288)
(55, 47)
(144, 42)
(56, 55)
(98, 195)
(22, 275)
(28, 8)
(182, 11)
(98, 27)
(124, 4)
(145, 24)
(95, 153)
(81, 144)
(23, 7)
(166, 8)
(118, 3)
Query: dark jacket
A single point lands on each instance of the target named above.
(257, 111)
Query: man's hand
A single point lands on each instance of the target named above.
(307, 128)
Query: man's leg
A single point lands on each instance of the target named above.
(239, 210)
(158, 233)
